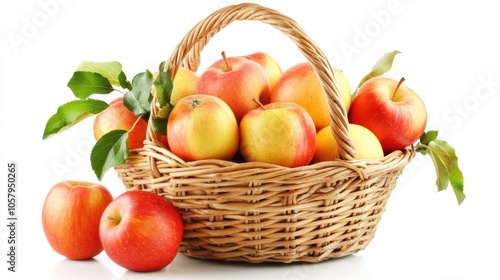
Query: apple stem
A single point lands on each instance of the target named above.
(399, 84)
(260, 104)
(115, 221)
(223, 53)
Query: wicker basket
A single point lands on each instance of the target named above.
(256, 212)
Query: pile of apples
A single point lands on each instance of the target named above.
(247, 108)
(138, 230)
(242, 108)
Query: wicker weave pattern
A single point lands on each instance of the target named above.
(256, 212)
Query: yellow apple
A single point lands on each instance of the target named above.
(365, 144)
(272, 68)
(301, 85)
(280, 133)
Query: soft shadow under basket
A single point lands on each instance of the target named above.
(256, 212)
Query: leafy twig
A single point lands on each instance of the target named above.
(445, 163)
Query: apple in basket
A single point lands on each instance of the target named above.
(118, 117)
(237, 81)
(391, 110)
(202, 126)
(280, 133)
(272, 68)
(301, 85)
(141, 231)
(71, 215)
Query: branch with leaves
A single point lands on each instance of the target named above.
(102, 78)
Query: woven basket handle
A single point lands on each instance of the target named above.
(188, 50)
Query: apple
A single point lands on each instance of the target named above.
(272, 68)
(71, 215)
(184, 84)
(141, 231)
(237, 81)
(301, 85)
(202, 126)
(391, 110)
(280, 133)
(118, 117)
(365, 144)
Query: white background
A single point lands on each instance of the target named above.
(450, 56)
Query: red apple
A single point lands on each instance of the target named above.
(141, 231)
(70, 218)
(391, 110)
(281, 133)
(237, 81)
(118, 117)
(202, 127)
(272, 68)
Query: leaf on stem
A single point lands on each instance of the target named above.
(84, 84)
(71, 113)
(109, 151)
(137, 100)
(110, 70)
(163, 86)
(382, 66)
(445, 161)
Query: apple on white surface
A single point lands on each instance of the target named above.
(71, 215)
(237, 81)
(141, 231)
(280, 133)
(391, 110)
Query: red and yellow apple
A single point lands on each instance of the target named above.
(141, 231)
(118, 117)
(71, 215)
(280, 133)
(272, 68)
(237, 81)
(301, 85)
(202, 126)
(365, 144)
(391, 110)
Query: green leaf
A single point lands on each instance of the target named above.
(455, 176)
(137, 100)
(124, 83)
(159, 123)
(442, 164)
(84, 84)
(109, 70)
(425, 139)
(383, 65)
(71, 113)
(445, 161)
(109, 151)
(163, 85)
